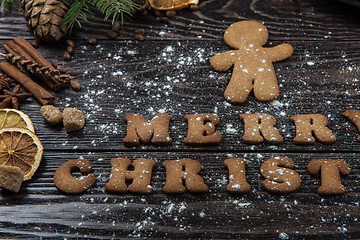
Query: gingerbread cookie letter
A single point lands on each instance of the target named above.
(354, 117)
(139, 129)
(279, 177)
(306, 124)
(330, 177)
(257, 123)
(140, 176)
(175, 176)
(65, 182)
(253, 68)
(201, 129)
(237, 180)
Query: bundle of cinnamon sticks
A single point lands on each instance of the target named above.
(23, 56)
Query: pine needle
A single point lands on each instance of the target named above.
(7, 5)
(77, 12)
(113, 9)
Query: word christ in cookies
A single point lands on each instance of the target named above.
(278, 173)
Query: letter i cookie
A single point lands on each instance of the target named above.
(253, 68)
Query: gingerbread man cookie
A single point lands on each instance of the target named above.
(253, 68)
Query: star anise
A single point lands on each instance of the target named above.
(13, 98)
(5, 82)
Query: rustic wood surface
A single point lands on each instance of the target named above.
(169, 72)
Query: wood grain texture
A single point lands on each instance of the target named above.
(103, 215)
(170, 72)
(130, 77)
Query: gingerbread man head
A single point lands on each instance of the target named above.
(244, 33)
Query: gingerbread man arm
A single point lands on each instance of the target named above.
(222, 61)
(280, 52)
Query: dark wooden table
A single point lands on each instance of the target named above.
(169, 72)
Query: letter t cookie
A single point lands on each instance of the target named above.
(253, 68)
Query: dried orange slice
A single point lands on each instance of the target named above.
(171, 4)
(21, 148)
(15, 118)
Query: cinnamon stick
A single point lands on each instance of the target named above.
(16, 50)
(33, 67)
(32, 52)
(44, 73)
(43, 96)
(9, 50)
(23, 52)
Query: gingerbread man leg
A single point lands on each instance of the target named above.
(239, 87)
(265, 86)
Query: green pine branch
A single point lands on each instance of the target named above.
(113, 9)
(81, 9)
(77, 12)
(7, 5)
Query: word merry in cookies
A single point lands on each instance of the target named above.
(258, 127)
(183, 174)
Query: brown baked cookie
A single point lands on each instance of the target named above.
(257, 123)
(183, 169)
(237, 179)
(354, 117)
(279, 177)
(201, 129)
(140, 176)
(138, 129)
(309, 124)
(253, 68)
(330, 176)
(11, 178)
(65, 182)
(73, 119)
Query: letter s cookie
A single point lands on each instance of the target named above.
(279, 177)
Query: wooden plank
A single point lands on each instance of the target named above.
(41, 210)
(175, 77)
(302, 21)
(169, 72)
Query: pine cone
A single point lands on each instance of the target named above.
(45, 18)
